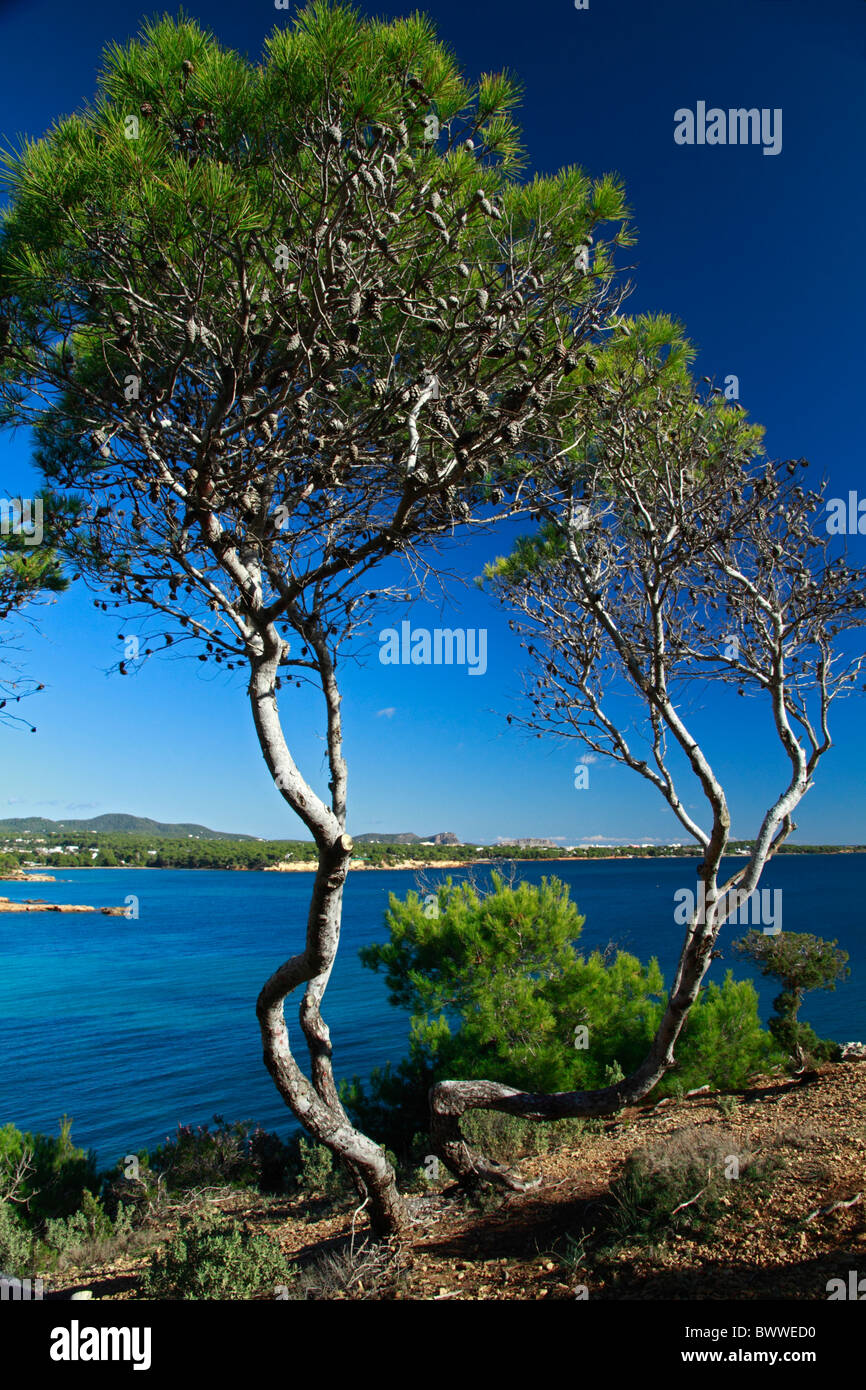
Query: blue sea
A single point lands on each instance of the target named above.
(133, 1026)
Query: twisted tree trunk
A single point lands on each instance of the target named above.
(315, 1101)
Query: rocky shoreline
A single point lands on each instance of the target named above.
(19, 876)
(39, 905)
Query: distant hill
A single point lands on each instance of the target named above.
(405, 837)
(116, 824)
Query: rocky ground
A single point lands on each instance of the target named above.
(784, 1241)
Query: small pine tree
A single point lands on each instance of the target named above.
(801, 962)
(496, 987)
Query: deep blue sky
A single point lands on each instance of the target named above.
(760, 256)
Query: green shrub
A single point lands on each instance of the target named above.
(239, 1154)
(722, 1043)
(87, 1235)
(16, 1243)
(57, 1173)
(133, 1188)
(799, 1040)
(208, 1260)
(318, 1174)
(507, 1137)
(497, 989)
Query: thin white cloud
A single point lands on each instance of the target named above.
(386, 713)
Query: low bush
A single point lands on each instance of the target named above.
(16, 1243)
(682, 1182)
(86, 1237)
(317, 1173)
(505, 1138)
(238, 1154)
(213, 1260)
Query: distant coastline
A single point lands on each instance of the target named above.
(402, 866)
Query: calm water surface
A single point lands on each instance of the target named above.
(132, 1027)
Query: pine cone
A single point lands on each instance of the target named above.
(380, 387)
